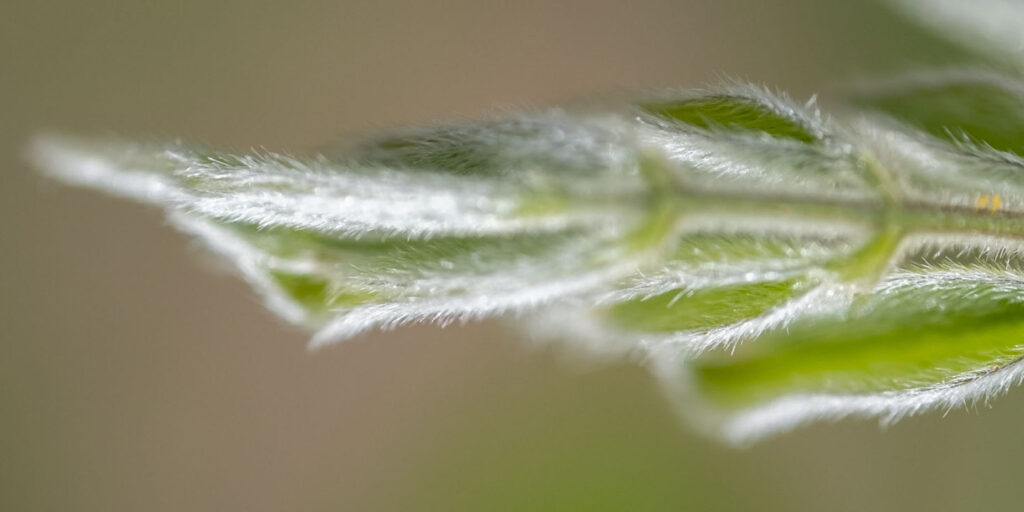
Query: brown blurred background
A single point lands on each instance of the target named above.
(135, 377)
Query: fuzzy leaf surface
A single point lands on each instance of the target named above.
(771, 264)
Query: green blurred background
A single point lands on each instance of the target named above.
(136, 375)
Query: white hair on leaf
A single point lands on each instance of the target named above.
(986, 379)
(466, 307)
(266, 189)
(933, 146)
(695, 231)
(794, 410)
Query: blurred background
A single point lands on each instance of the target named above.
(135, 375)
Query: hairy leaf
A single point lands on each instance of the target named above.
(772, 265)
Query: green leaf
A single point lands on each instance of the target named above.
(771, 265)
(736, 113)
(318, 294)
(980, 108)
(911, 335)
(717, 250)
(950, 138)
(746, 139)
(684, 309)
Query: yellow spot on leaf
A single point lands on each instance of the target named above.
(981, 203)
(991, 203)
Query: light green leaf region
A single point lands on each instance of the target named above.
(318, 294)
(379, 258)
(734, 113)
(684, 310)
(328, 273)
(735, 248)
(910, 336)
(982, 108)
(716, 289)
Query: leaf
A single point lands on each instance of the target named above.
(770, 264)
(342, 246)
(745, 138)
(977, 108)
(989, 27)
(956, 136)
(684, 309)
(736, 112)
(348, 198)
(922, 340)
